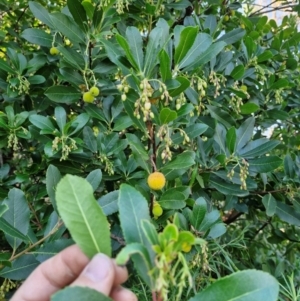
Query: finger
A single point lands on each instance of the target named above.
(121, 274)
(52, 275)
(122, 294)
(99, 274)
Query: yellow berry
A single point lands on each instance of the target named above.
(156, 180)
(243, 26)
(186, 247)
(88, 97)
(95, 91)
(54, 51)
(226, 18)
(157, 210)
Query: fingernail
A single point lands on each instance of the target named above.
(98, 268)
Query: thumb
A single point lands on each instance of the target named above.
(99, 275)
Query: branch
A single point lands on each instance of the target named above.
(57, 226)
(260, 12)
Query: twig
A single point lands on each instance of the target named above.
(57, 226)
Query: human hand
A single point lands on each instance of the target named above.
(72, 267)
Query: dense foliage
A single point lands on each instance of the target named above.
(207, 93)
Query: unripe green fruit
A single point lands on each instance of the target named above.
(157, 210)
(95, 91)
(244, 88)
(88, 97)
(226, 18)
(54, 51)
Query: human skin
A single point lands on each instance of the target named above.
(71, 267)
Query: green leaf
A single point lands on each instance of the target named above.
(258, 148)
(217, 230)
(172, 199)
(187, 38)
(227, 188)
(209, 220)
(232, 36)
(60, 117)
(131, 249)
(89, 9)
(68, 27)
(249, 108)
(199, 212)
(78, 12)
(53, 177)
(5, 67)
(281, 83)
(78, 293)
(63, 94)
(125, 45)
(165, 65)
(264, 164)
(95, 112)
(109, 202)
(135, 42)
(8, 229)
(40, 13)
(196, 130)
(231, 140)
(270, 204)
(238, 72)
(83, 216)
(202, 42)
(266, 55)
(184, 84)
(17, 215)
(133, 208)
(21, 268)
(41, 122)
(247, 285)
(245, 133)
(206, 56)
(221, 115)
(288, 214)
(50, 249)
(167, 115)
(156, 41)
(289, 166)
(132, 204)
(37, 36)
(182, 161)
(94, 178)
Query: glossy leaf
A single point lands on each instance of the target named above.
(135, 42)
(245, 133)
(264, 164)
(270, 204)
(37, 36)
(187, 38)
(21, 268)
(288, 214)
(78, 293)
(249, 285)
(67, 27)
(167, 115)
(17, 215)
(83, 216)
(238, 72)
(63, 94)
(109, 202)
(94, 178)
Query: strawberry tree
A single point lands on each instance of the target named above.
(173, 123)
